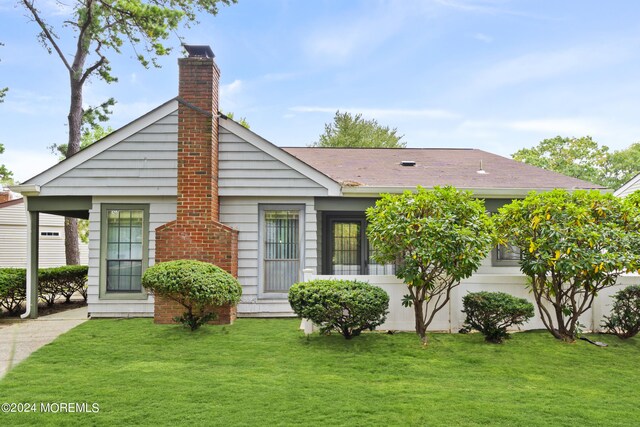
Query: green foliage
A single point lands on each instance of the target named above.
(354, 132)
(346, 306)
(583, 158)
(624, 320)
(6, 176)
(89, 136)
(53, 283)
(438, 238)
(12, 288)
(196, 285)
(623, 165)
(491, 313)
(62, 282)
(573, 245)
(242, 121)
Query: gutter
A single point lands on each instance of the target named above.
(490, 193)
(26, 189)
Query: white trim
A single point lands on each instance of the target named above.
(104, 144)
(620, 191)
(26, 189)
(279, 154)
(364, 191)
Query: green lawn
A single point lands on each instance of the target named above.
(266, 372)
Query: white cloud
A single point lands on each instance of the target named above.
(231, 88)
(381, 112)
(551, 127)
(545, 65)
(29, 102)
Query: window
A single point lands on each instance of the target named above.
(124, 248)
(506, 255)
(281, 229)
(347, 249)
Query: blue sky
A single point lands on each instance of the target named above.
(497, 75)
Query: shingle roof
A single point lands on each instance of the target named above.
(434, 166)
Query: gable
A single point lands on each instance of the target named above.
(140, 159)
(245, 169)
(629, 187)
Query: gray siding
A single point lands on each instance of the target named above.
(161, 211)
(143, 164)
(632, 188)
(247, 171)
(242, 213)
(13, 241)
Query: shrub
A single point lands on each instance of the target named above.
(491, 313)
(52, 283)
(348, 307)
(195, 285)
(62, 282)
(12, 288)
(625, 313)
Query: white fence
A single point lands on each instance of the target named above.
(451, 318)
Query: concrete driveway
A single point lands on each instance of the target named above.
(18, 340)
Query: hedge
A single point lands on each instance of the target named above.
(346, 306)
(53, 284)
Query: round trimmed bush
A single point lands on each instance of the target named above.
(491, 313)
(196, 285)
(624, 320)
(346, 306)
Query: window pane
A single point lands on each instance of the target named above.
(346, 248)
(125, 234)
(509, 253)
(124, 250)
(281, 249)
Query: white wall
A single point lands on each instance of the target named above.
(13, 238)
(451, 318)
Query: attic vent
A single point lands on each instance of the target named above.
(407, 163)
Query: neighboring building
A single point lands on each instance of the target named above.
(629, 187)
(181, 182)
(13, 240)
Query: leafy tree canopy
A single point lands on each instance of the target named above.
(583, 158)
(6, 176)
(438, 237)
(89, 136)
(353, 132)
(573, 246)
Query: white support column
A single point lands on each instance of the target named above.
(307, 325)
(33, 237)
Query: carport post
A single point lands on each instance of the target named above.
(33, 228)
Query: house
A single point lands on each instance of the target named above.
(13, 229)
(183, 181)
(629, 187)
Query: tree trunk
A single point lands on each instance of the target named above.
(71, 251)
(421, 330)
(71, 245)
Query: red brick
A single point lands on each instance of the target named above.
(197, 233)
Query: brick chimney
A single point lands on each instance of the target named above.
(197, 233)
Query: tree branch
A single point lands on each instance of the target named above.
(46, 32)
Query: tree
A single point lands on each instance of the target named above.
(623, 165)
(354, 132)
(580, 158)
(573, 246)
(89, 136)
(242, 120)
(583, 158)
(6, 176)
(438, 238)
(99, 29)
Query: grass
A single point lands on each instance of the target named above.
(266, 372)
